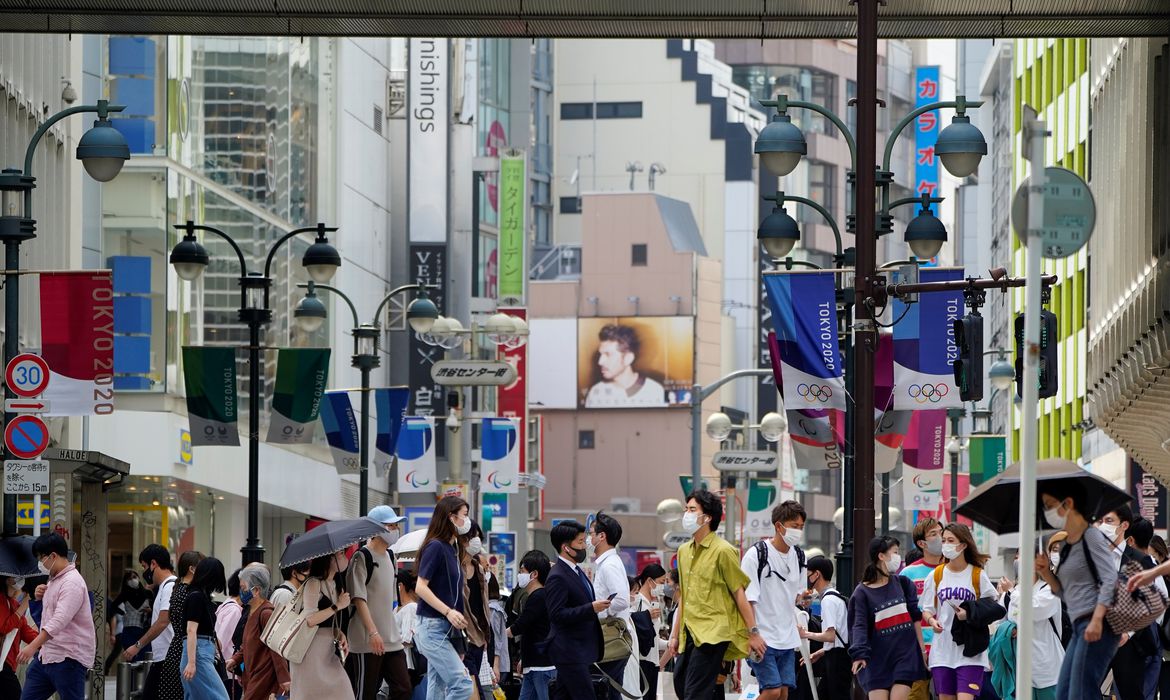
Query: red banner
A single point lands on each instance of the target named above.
(77, 340)
(513, 399)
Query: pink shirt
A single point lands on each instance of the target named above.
(68, 620)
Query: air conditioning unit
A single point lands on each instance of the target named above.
(625, 505)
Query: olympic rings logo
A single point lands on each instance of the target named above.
(815, 392)
(922, 393)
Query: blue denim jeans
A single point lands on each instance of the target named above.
(1085, 663)
(206, 685)
(447, 677)
(66, 678)
(534, 685)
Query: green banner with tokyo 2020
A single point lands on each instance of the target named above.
(209, 375)
(301, 374)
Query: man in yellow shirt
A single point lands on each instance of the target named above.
(714, 620)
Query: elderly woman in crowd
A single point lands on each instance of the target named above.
(265, 672)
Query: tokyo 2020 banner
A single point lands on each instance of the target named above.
(924, 346)
(804, 316)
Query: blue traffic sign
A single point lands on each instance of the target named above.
(26, 437)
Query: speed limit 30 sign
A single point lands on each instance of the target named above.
(27, 375)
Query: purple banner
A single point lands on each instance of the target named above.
(922, 460)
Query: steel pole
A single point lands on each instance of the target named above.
(364, 454)
(11, 350)
(696, 436)
(1035, 132)
(955, 414)
(252, 550)
(864, 330)
(845, 579)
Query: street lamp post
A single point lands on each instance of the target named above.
(699, 393)
(190, 259)
(103, 152)
(771, 427)
(781, 146)
(310, 313)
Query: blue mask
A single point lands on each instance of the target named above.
(246, 597)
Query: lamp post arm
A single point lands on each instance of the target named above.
(352, 309)
(190, 227)
(783, 104)
(393, 293)
(319, 229)
(828, 217)
(914, 200)
(789, 263)
(701, 395)
(960, 104)
(102, 108)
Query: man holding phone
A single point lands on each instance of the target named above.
(610, 583)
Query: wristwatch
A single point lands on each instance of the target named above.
(333, 606)
(755, 630)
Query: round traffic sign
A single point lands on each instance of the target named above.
(27, 375)
(1069, 213)
(26, 437)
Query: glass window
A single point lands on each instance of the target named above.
(851, 110)
(619, 110)
(576, 110)
(798, 83)
(822, 189)
(570, 205)
(638, 255)
(585, 439)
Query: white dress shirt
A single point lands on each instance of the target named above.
(609, 577)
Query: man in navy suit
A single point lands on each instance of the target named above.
(574, 638)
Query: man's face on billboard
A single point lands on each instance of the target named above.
(612, 360)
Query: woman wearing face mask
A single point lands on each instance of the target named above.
(134, 603)
(322, 672)
(476, 610)
(532, 628)
(958, 603)
(440, 589)
(170, 672)
(1047, 650)
(227, 618)
(1055, 544)
(1086, 589)
(646, 612)
(883, 643)
(14, 622)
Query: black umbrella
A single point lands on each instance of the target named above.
(328, 538)
(16, 557)
(996, 504)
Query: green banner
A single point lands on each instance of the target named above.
(301, 374)
(209, 375)
(988, 455)
(513, 215)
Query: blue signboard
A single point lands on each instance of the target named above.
(926, 91)
(417, 517)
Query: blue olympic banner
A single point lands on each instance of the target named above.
(926, 128)
(416, 455)
(804, 315)
(925, 348)
(817, 437)
(390, 405)
(341, 430)
(500, 452)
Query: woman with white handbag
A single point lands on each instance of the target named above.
(321, 674)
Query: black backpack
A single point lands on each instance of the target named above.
(762, 562)
(349, 613)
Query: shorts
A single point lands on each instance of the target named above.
(776, 670)
(920, 690)
(952, 681)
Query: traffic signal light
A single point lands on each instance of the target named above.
(969, 365)
(1049, 354)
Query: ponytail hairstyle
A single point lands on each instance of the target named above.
(970, 550)
(649, 573)
(877, 547)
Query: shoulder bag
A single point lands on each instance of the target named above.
(288, 632)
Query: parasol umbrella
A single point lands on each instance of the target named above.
(996, 504)
(409, 543)
(16, 557)
(328, 538)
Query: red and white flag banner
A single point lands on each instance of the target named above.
(77, 341)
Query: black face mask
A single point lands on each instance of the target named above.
(579, 555)
(148, 576)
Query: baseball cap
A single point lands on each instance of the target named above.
(385, 514)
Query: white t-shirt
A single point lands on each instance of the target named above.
(644, 392)
(774, 599)
(955, 589)
(407, 617)
(162, 601)
(1047, 653)
(835, 614)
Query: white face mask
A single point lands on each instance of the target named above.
(893, 563)
(934, 546)
(659, 590)
(133, 583)
(474, 546)
(793, 537)
(523, 579)
(43, 569)
(1055, 559)
(17, 582)
(950, 551)
(590, 546)
(1110, 531)
(690, 522)
(463, 528)
(1055, 519)
(390, 537)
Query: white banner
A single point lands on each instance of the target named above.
(500, 452)
(429, 108)
(416, 455)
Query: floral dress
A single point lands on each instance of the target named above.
(170, 683)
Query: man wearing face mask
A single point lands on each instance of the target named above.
(375, 643)
(777, 574)
(610, 583)
(928, 538)
(574, 638)
(158, 573)
(1136, 649)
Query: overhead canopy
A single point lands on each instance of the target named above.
(774, 19)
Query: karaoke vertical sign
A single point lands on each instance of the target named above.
(926, 91)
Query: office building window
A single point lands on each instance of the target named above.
(619, 110)
(570, 205)
(638, 255)
(576, 110)
(822, 188)
(765, 82)
(585, 439)
(851, 110)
